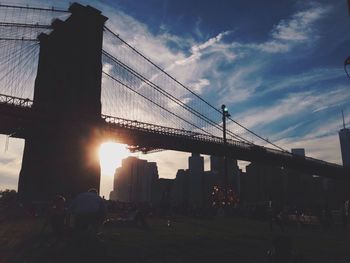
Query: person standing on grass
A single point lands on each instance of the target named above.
(282, 251)
(57, 217)
(346, 213)
(270, 215)
(89, 210)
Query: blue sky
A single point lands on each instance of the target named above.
(278, 65)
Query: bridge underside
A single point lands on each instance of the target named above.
(14, 119)
(158, 140)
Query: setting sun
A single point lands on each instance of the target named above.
(111, 155)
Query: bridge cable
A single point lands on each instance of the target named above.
(189, 90)
(25, 25)
(172, 98)
(158, 105)
(35, 8)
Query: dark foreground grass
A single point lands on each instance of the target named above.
(186, 240)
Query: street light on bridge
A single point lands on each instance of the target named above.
(225, 115)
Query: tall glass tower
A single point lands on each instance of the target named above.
(344, 137)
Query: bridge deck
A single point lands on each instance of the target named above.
(17, 116)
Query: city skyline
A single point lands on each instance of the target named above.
(282, 77)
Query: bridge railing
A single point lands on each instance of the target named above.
(15, 101)
(133, 124)
(136, 125)
(323, 162)
(291, 155)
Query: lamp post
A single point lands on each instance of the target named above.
(225, 115)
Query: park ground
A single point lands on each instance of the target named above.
(182, 239)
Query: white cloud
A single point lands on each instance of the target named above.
(298, 29)
(196, 49)
(196, 67)
(107, 68)
(200, 85)
(272, 46)
(240, 84)
(138, 35)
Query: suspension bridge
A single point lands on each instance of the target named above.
(68, 82)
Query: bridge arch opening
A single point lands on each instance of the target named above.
(110, 155)
(11, 152)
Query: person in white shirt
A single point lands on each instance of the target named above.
(89, 210)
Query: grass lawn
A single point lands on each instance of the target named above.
(186, 240)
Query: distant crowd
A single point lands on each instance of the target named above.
(83, 214)
(88, 211)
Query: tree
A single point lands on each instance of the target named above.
(7, 196)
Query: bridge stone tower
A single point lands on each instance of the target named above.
(60, 154)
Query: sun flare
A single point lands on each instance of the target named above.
(111, 155)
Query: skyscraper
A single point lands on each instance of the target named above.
(196, 172)
(298, 151)
(217, 166)
(344, 138)
(134, 180)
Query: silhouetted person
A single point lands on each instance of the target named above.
(270, 215)
(327, 218)
(346, 211)
(89, 210)
(138, 218)
(280, 218)
(282, 251)
(57, 218)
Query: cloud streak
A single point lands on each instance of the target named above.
(294, 104)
